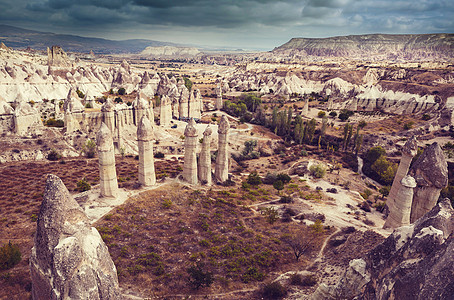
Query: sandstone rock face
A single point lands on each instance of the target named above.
(205, 158)
(222, 160)
(190, 157)
(57, 57)
(415, 262)
(408, 152)
(145, 136)
(107, 172)
(166, 111)
(69, 259)
(169, 51)
(430, 171)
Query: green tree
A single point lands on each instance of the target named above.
(10, 256)
(89, 149)
(187, 83)
(198, 277)
(121, 91)
(278, 185)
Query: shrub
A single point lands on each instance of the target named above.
(159, 155)
(10, 256)
(408, 125)
(121, 91)
(426, 117)
(321, 114)
(80, 94)
(83, 185)
(88, 105)
(254, 179)
(118, 100)
(274, 290)
(278, 185)
(89, 148)
(53, 155)
(51, 122)
(286, 199)
(271, 214)
(198, 277)
(283, 177)
(318, 171)
(309, 280)
(270, 178)
(333, 114)
(252, 274)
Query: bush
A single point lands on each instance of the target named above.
(159, 155)
(426, 117)
(83, 185)
(54, 123)
(10, 256)
(121, 91)
(198, 278)
(286, 199)
(321, 114)
(270, 178)
(278, 185)
(318, 171)
(283, 177)
(53, 155)
(408, 125)
(274, 290)
(89, 148)
(333, 114)
(254, 179)
(118, 100)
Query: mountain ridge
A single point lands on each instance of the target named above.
(17, 37)
(405, 45)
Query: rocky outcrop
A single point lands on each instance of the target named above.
(430, 171)
(107, 173)
(57, 57)
(145, 137)
(414, 262)
(190, 156)
(205, 158)
(169, 51)
(69, 259)
(222, 160)
(375, 46)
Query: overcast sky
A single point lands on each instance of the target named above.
(249, 24)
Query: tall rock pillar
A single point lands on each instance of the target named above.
(400, 209)
(205, 158)
(305, 111)
(166, 111)
(218, 97)
(222, 160)
(430, 171)
(145, 136)
(108, 114)
(107, 172)
(184, 103)
(190, 158)
(408, 152)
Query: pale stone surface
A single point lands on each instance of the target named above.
(166, 111)
(408, 152)
(414, 262)
(184, 106)
(400, 208)
(145, 137)
(205, 158)
(430, 171)
(222, 159)
(107, 172)
(190, 148)
(72, 102)
(69, 259)
(57, 57)
(25, 117)
(305, 110)
(219, 101)
(108, 114)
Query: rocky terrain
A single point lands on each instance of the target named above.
(169, 52)
(374, 47)
(267, 176)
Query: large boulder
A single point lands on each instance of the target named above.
(414, 262)
(69, 259)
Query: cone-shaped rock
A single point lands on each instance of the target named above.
(222, 160)
(69, 259)
(107, 172)
(190, 148)
(145, 137)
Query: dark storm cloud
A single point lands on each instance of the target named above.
(251, 21)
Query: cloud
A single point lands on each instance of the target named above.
(253, 22)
